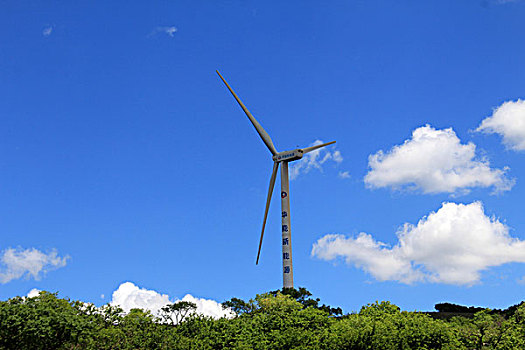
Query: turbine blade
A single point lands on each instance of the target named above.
(262, 133)
(270, 191)
(313, 148)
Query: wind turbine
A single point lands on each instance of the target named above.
(282, 158)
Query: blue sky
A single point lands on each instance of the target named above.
(124, 158)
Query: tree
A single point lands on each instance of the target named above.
(448, 307)
(379, 309)
(176, 313)
(239, 306)
(302, 295)
(41, 322)
(274, 320)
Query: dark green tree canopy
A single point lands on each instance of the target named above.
(176, 313)
(288, 319)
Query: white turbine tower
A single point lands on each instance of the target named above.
(282, 158)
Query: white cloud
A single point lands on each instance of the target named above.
(170, 30)
(434, 161)
(452, 246)
(208, 307)
(33, 293)
(508, 120)
(129, 296)
(337, 157)
(344, 175)
(314, 160)
(47, 31)
(17, 263)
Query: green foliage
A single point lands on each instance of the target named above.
(302, 295)
(379, 309)
(239, 306)
(269, 303)
(288, 319)
(448, 307)
(42, 322)
(176, 313)
(383, 325)
(487, 330)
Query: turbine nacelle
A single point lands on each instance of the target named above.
(288, 156)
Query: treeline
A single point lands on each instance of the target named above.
(287, 319)
(448, 310)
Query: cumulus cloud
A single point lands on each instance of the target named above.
(18, 263)
(314, 160)
(508, 120)
(129, 296)
(208, 307)
(33, 293)
(47, 31)
(434, 161)
(452, 246)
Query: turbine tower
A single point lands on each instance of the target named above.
(282, 158)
